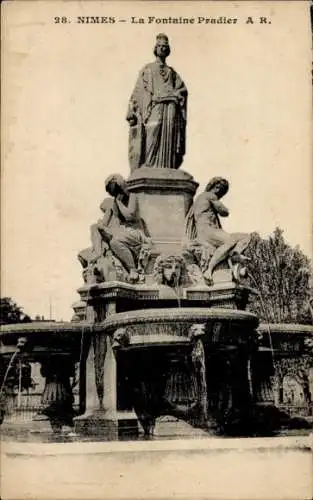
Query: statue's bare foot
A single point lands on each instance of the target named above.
(239, 258)
(133, 276)
(239, 271)
(208, 275)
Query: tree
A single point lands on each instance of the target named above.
(282, 276)
(10, 312)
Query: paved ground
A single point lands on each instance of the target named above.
(214, 468)
(166, 428)
(40, 431)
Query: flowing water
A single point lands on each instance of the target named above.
(267, 319)
(8, 370)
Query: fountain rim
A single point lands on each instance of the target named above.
(47, 327)
(190, 314)
(296, 328)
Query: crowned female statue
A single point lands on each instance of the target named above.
(157, 114)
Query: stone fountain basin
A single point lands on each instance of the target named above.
(168, 326)
(44, 337)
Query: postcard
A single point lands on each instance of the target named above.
(157, 284)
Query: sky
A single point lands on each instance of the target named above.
(64, 97)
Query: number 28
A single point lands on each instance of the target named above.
(58, 20)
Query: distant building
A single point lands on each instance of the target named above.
(42, 319)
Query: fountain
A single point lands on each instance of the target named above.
(161, 327)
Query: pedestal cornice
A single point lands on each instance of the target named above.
(161, 179)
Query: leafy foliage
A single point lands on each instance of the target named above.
(283, 277)
(10, 312)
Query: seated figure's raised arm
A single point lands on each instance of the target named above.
(220, 208)
(129, 212)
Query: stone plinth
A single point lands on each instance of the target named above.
(228, 295)
(165, 196)
(115, 296)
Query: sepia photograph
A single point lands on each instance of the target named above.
(156, 319)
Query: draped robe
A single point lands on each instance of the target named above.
(159, 105)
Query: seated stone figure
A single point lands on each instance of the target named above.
(120, 229)
(97, 261)
(97, 269)
(203, 224)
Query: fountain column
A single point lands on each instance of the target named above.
(102, 417)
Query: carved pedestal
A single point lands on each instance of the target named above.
(164, 196)
(226, 295)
